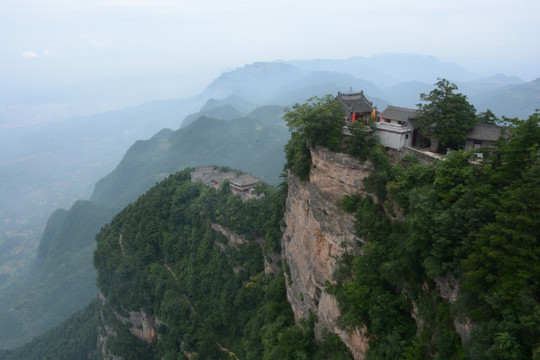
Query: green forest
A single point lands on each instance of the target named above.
(160, 254)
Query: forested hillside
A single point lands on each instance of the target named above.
(209, 297)
(62, 278)
(74, 338)
(455, 245)
(252, 143)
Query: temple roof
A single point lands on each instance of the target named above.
(245, 180)
(355, 102)
(399, 113)
(208, 175)
(485, 132)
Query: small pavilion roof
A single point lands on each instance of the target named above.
(208, 175)
(355, 102)
(245, 180)
(399, 113)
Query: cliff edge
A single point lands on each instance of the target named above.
(317, 233)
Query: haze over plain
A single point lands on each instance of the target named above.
(63, 58)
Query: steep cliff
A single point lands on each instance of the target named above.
(317, 233)
(181, 274)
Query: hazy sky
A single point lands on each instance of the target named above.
(177, 47)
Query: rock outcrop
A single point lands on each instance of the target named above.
(141, 325)
(234, 239)
(448, 287)
(317, 233)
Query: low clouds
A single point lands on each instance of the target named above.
(29, 55)
(99, 43)
(218, 34)
(32, 54)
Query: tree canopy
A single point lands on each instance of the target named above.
(319, 120)
(445, 115)
(316, 122)
(488, 117)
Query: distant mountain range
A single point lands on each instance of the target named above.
(523, 99)
(252, 142)
(389, 69)
(51, 165)
(396, 79)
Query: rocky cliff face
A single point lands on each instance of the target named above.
(317, 233)
(141, 325)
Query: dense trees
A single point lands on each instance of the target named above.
(488, 117)
(161, 254)
(445, 115)
(477, 222)
(317, 122)
(502, 271)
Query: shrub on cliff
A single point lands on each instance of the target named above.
(317, 122)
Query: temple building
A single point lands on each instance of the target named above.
(243, 182)
(397, 128)
(242, 185)
(356, 107)
(210, 176)
(485, 136)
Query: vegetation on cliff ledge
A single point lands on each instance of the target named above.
(451, 247)
(319, 122)
(465, 223)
